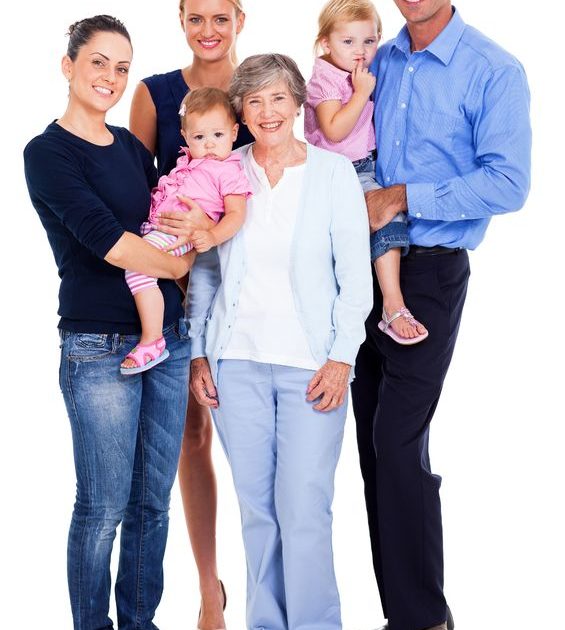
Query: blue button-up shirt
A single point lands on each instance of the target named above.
(452, 123)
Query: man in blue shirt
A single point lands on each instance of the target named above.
(453, 140)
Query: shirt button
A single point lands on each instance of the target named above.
(397, 142)
(418, 214)
(411, 69)
(403, 105)
(388, 179)
(462, 216)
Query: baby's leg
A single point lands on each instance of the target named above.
(148, 297)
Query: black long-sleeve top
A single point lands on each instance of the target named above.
(87, 196)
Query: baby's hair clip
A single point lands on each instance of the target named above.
(182, 110)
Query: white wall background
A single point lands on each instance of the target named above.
(496, 437)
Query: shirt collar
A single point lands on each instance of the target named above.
(443, 46)
(325, 66)
(185, 160)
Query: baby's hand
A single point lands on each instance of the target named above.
(203, 240)
(363, 81)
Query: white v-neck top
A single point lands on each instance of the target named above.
(267, 328)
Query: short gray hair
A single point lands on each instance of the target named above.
(259, 71)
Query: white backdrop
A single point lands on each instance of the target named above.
(496, 434)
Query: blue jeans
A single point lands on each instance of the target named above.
(393, 234)
(283, 455)
(127, 433)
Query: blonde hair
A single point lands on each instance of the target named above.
(203, 100)
(345, 11)
(236, 4)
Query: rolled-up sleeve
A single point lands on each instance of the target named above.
(502, 138)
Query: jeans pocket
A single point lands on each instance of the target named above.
(90, 346)
(181, 329)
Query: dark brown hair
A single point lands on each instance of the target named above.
(81, 32)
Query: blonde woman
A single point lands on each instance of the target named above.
(211, 28)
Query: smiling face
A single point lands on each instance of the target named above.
(210, 134)
(350, 43)
(270, 114)
(99, 74)
(211, 27)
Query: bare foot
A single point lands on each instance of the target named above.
(405, 326)
(212, 608)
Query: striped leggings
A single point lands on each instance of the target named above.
(137, 281)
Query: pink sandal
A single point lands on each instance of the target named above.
(385, 323)
(146, 356)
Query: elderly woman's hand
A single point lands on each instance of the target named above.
(330, 384)
(202, 384)
(183, 224)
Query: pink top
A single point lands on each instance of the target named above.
(204, 180)
(329, 83)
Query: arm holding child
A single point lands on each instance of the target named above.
(228, 226)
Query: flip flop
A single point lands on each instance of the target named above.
(146, 356)
(385, 323)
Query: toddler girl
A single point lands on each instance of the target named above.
(338, 116)
(211, 175)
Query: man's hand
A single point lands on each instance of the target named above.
(330, 385)
(384, 204)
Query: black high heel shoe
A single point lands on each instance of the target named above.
(224, 594)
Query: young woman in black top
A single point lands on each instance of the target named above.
(211, 28)
(90, 184)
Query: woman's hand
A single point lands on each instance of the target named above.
(183, 224)
(330, 384)
(202, 384)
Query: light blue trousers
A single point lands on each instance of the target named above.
(283, 456)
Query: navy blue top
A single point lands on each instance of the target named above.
(87, 196)
(167, 91)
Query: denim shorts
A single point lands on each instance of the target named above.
(395, 233)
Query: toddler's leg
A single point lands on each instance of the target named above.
(387, 268)
(386, 249)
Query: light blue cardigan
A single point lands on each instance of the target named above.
(330, 268)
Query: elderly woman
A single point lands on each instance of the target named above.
(276, 319)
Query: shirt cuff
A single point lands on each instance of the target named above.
(341, 351)
(421, 200)
(197, 347)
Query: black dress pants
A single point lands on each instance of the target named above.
(395, 393)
